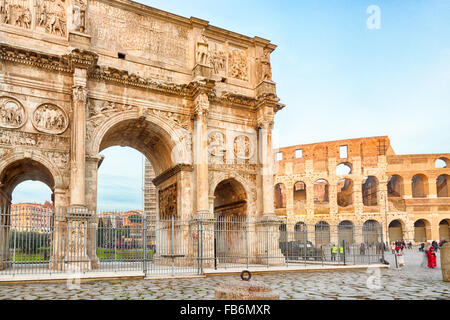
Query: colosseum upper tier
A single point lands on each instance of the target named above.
(362, 181)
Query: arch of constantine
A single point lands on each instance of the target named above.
(79, 76)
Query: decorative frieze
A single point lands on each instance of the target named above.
(60, 159)
(18, 138)
(35, 59)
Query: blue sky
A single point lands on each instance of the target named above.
(337, 78)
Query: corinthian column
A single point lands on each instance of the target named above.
(266, 163)
(201, 154)
(78, 154)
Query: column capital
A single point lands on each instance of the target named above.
(79, 94)
(201, 106)
(265, 124)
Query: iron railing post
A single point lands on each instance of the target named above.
(144, 235)
(246, 242)
(173, 245)
(201, 246)
(382, 243)
(267, 244)
(344, 251)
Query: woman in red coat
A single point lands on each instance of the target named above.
(431, 254)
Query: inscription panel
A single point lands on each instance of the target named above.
(139, 35)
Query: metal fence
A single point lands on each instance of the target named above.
(41, 241)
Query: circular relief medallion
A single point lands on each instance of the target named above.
(50, 118)
(12, 113)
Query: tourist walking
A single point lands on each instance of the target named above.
(393, 247)
(431, 255)
(362, 249)
(422, 247)
(435, 246)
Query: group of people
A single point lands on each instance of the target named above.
(434, 244)
(334, 252)
(430, 252)
(399, 246)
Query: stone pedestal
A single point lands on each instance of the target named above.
(445, 262)
(245, 290)
(202, 71)
(76, 258)
(268, 231)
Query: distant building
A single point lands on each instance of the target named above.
(32, 217)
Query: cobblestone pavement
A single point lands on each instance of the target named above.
(411, 282)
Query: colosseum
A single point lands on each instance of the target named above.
(362, 182)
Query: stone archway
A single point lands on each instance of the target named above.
(230, 212)
(322, 234)
(444, 230)
(371, 231)
(346, 232)
(167, 148)
(396, 229)
(15, 169)
(422, 231)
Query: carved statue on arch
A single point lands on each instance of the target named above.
(202, 50)
(79, 10)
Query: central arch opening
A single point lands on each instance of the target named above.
(135, 152)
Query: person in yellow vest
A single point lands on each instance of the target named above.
(334, 251)
(341, 253)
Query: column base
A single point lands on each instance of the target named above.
(78, 221)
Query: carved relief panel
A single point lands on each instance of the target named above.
(16, 13)
(218, 59)
(51, 16)
(12, 113)
(50, 118)
(216, 147)
(238, 64)
(168, 201)
(242, 149)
